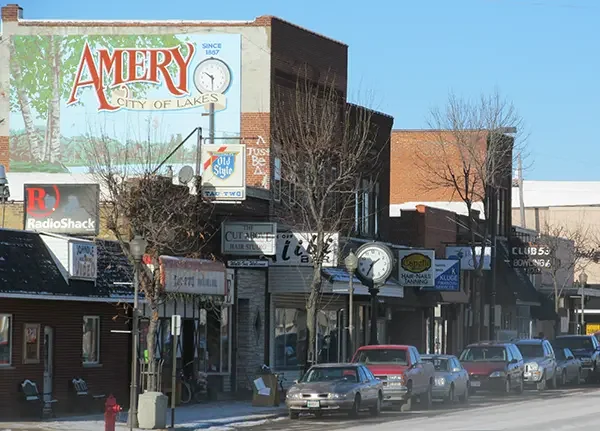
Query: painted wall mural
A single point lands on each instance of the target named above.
(138, 94)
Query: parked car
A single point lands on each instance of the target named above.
(331, 388)
(568, 367)
(586, 348)
(451, 379)
(404, 374)
(495, 366)
(540, 363)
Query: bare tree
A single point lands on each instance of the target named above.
(572, 246)
(323, 147)
(138, 201)
(468, 156)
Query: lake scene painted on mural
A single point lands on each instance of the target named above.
(137, 95)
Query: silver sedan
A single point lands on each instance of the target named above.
(451, 379)
(331, 388)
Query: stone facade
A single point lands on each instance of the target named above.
(251, 324)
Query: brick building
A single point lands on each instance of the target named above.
(416, 182)
(261, 55)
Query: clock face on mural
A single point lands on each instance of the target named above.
(375, 263)
(212, 76)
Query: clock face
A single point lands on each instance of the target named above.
(374, 263)
(212, 76)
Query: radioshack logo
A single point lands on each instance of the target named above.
(50, 210)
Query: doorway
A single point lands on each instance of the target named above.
(188, 347)
(48, 362)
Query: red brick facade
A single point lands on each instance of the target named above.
(66, 319)
(256, 127)
(412, 165)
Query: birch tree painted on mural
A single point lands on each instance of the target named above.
(42, 70)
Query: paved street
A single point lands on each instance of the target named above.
(567, 409)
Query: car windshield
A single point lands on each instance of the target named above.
(575, 343)
(330, 374)
(483, 354)
(531, 350)
(440, 364)
(560, 354)
(383, 356)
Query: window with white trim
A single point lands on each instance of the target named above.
(5, 340)
(91, 340)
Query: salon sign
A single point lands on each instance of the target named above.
(193, 276)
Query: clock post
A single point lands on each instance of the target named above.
(375, 264)
(374, 291)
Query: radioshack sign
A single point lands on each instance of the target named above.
(62, 208)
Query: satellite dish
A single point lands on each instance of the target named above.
(185, 174)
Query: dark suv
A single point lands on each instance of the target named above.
(493, 365)
(586, 348)
(540, 363)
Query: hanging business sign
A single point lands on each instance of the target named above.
(530, 256)
(248, 239)
(83, 260)
(297, 249)
(465, 255)
(247, 263)
(224, 172)
(416, 268)
(447, 275)
(62, 208)
(193, 276)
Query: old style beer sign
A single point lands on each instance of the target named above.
(62, 208)
(224, 172)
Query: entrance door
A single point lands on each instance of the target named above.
(48, 362)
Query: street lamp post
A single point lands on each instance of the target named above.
(137, 247)
(351, 263)
(583, 278)
(4, 191)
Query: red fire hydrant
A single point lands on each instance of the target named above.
(111, 409)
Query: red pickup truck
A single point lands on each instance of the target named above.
(404, 375)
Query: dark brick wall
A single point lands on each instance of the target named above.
(66, 318)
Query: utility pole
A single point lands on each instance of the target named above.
(494, 227)
(521, 199)
(211, 123)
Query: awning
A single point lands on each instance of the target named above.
(459, 297)
(513, 286)
(545, 311)
(336, 280)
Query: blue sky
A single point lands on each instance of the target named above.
(542, 54)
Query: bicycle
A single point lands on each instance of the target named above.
(196, 388)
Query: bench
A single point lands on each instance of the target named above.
(31, 395)
(82, 392)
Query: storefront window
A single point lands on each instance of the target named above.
(91, 340)
(31, 343)
(5, 339)
(290, 338)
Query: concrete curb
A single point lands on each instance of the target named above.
(229, 422)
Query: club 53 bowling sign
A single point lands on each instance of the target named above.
(62, 208)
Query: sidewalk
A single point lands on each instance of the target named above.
(187, 418)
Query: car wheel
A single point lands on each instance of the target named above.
(541, 385)
(406, 406)
(426, 399)
(377, 408)
(355, 407)
(450, 398)
(521, 387)
(553, 382)
(464, 398)
(294, 415)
